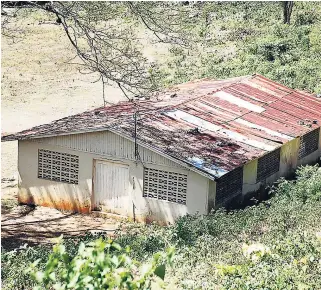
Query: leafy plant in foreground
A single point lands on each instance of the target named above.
(99, 265)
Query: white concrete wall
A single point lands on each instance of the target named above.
(153, 209)
(78, 197)
(107, 144)
(211, 195)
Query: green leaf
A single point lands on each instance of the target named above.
(39, 276)
(160, 271)
(116, 246)
(52, 276)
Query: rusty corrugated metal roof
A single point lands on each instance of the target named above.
(214, 126)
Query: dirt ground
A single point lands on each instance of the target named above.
(38, 85)
(39, 225)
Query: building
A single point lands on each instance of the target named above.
(189, 149)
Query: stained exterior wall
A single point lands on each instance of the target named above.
(289, 161)
(98, 146)
(314, 157)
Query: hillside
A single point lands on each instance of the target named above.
(273, 245)
(241, 38)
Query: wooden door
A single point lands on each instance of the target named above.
(111, 187)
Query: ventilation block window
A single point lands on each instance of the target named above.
(309, 143)
(165, 185)
(58, 166)
(268, 165)
(229, 186)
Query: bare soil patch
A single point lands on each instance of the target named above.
(22, 224)
(33, 225)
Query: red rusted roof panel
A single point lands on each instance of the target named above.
(252, 92)
(269, 86)
(295, 110)
(242, 95)
(270, 123)
(214, 126)
(305, 103)
(224, 105)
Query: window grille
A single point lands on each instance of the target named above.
(58, 166)
(268, 165)
(309, 143)
(165, 185)
(229, 186)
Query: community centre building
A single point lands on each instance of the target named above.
(188, 149)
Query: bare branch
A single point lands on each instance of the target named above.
(104, 37)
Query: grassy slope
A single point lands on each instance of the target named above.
(248, 37)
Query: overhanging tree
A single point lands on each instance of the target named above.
(105, 36)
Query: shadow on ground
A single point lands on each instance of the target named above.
(23, 224)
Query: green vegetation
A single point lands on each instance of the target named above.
(99, 265)
(273, 245)
(241, 38)
(8, 204)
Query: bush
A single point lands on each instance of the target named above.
(307, 186)
(15, 262)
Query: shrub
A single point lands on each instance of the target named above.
(307, 186)
(98, 265)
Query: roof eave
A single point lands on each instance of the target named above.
(181, 162)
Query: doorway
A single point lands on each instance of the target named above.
(111, 187)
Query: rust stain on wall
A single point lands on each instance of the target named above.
(57, 204)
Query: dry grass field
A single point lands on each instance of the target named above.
(40, 85)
